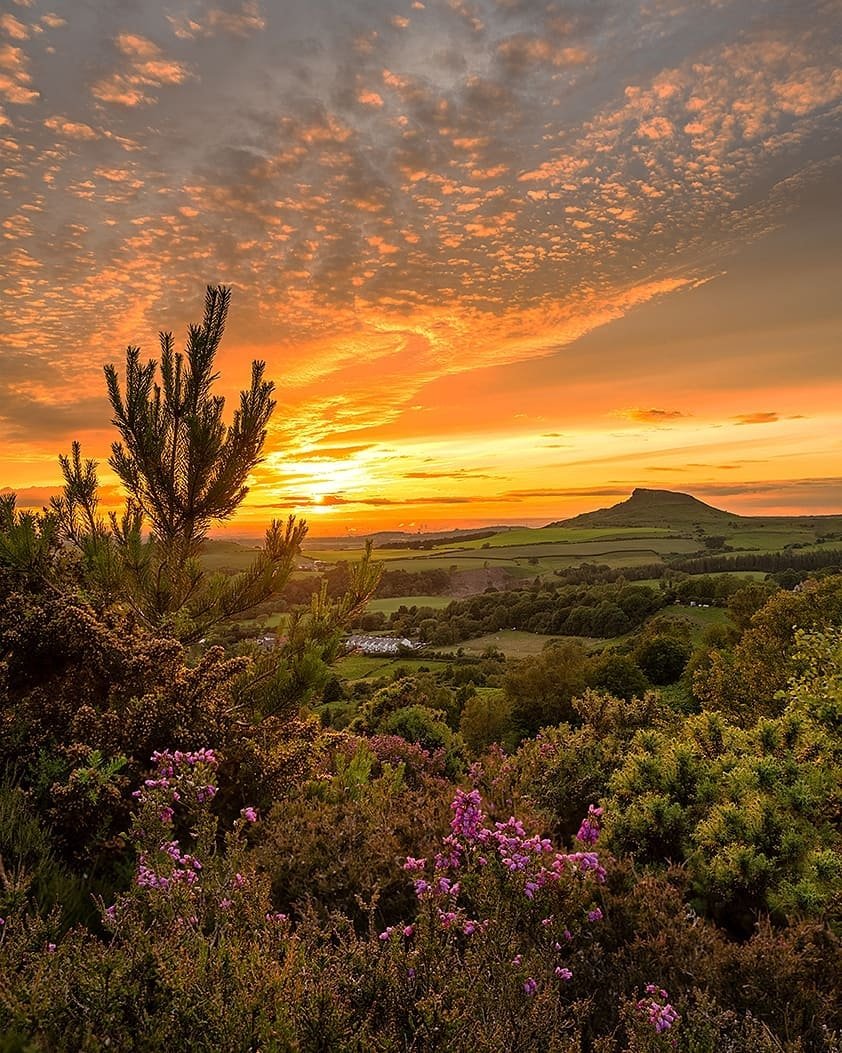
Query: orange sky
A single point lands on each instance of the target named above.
(506, 259)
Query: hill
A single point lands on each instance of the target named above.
(656, 508)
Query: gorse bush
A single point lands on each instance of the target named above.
(754, 813)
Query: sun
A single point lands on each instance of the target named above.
(317, 484)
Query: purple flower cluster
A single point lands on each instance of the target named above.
(527, 861)
(178, 777)
(189, 770)
(407, 931)
(590, 829)
(467, 814)
(184, 869)
(530, 860)
(660, 1014)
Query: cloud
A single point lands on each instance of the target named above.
(364, 501)
(328, 453)
(522, 53)
(148, 68)
(756, 418)
(71, 129)
(570, 491)
(12, 27)
(819, 489)
(37, 497)
(241, 20)
(462, 473)
(15, 79)
(653, 416)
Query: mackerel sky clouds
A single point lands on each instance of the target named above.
(506, 259)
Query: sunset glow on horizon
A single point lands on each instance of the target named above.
(506, 260)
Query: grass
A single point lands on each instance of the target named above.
(701, 615)
(392, 603)
(759, 540)
(700, 618)
(512, 642)
(265, 621)
(587, 549)
(566, 535)
(365, 667)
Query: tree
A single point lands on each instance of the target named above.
(183, 469)
(541, 689)
(619, 675)
(486, 718)
(180, 464)
(663, 658)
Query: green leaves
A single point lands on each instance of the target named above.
(177, 459)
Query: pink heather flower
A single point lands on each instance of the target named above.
(517, 959)
(277, 919)
(414, 864)
(386, 933)
(547, 921)
(51, 948)
(661, 1017)
(409, 931)
(562, 973)
(469, 928)
(238, 881)
(249, 814)
(595, 915)
(225, 903)
(467, 814)
(530, 986)
(590, 829)
(166, 814)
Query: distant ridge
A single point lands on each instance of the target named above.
(655, 508)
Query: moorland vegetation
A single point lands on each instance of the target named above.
(230, 848)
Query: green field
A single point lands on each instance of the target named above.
(701, 618)
(566, 535)
(603, 548)
(512, 642)
(365, 667)
(393, 603)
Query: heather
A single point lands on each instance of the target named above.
(227, 848)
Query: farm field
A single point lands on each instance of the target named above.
(365, 667)
(601, 548)
(512, 642)
(393, 603)
(754, 539)
(566, 535)
(700, 617)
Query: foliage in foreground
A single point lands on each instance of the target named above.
(513, 944)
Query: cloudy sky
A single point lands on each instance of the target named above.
(506, 259)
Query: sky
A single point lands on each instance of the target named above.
(505, 259)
